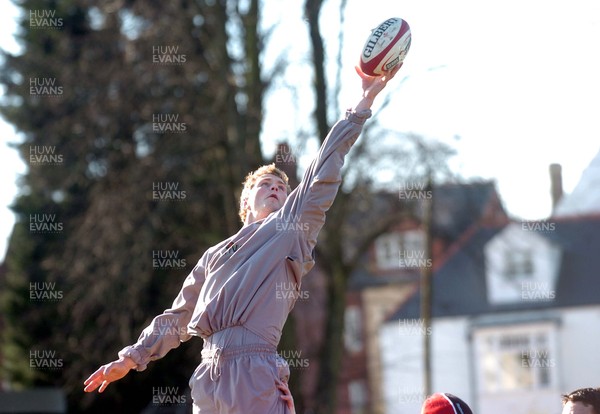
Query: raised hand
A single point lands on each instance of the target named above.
(372, 85)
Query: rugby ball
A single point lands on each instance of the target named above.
(386, 47)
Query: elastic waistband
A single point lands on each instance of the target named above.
(225, 354)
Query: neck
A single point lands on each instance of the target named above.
(251, 217)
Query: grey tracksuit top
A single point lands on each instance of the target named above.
(250, 279)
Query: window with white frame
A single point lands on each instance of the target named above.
(393, 249)
(357, 392)
(518, 264)
(353, 329)
(516, 358)
(386, 251)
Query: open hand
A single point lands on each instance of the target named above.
(108, 373)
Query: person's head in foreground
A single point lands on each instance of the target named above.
(445, 403)
(582, 401)
(265, 191)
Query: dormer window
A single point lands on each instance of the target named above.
(520, 266)
(399, 250)
(386, 251)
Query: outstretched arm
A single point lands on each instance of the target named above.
(321, 181)
(164, 333)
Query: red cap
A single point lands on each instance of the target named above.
(444, 403)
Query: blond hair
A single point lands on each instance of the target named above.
(251, 180)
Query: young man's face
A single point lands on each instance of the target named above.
(266, 196)
(577, 408)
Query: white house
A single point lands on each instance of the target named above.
(515, 321)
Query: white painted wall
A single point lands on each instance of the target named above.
(401, 350)
(521, 402)
(579, 348)
(401, 356)
(452, 361)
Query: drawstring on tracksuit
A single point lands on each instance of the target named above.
(216, 368)
(217, 356)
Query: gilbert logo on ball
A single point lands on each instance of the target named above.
(386, 47)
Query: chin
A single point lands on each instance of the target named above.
(273, 204)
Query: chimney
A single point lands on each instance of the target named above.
(556, 188)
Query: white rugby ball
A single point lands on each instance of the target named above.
(386, 47)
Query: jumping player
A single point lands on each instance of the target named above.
(230, 298)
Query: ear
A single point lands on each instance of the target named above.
(244, 198)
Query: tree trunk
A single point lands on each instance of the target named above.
(312, 10)
(333, 345)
